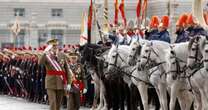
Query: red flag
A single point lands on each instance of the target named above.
(144, 8)
(138, 11)
(89, 23)
(116, 13)
(121, 8)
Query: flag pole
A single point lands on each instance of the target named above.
(98, 25)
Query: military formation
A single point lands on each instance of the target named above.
(31, 74)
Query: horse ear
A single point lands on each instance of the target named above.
(206, 37)
(116, 45)
(151, 43)
(137, 39)
(197, 38)
(172, 52)
(100, 58)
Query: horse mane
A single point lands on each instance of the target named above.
(191, 41)
(203, 42)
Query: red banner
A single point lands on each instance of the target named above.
(122, 10)
(138, 11)
(116, 13)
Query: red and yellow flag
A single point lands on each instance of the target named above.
(144, 8)
(122, 10)
(116, 13)
(90, 15)
(138, 10)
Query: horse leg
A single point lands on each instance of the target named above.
(174, 90)
(158, 93)
(197, 101)
(143, 89)
(105, 104)
(163, 95)
(204, 99)
(185, 100)
(95, 100)
(101, 95)
(154, 99)
(128, 97)
(205, 88)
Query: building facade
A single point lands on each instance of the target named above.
(41, 20)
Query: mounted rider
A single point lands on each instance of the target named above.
(153, 28)
(182, 35)
(194, 28)
(163, 34)
(123, 37)
(131, 32)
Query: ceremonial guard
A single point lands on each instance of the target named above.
(153, 28)
(163, 34)
(194, 27)
(123, 38)
(57, 74)
(182, 35)
(78, 85)
(130, 31)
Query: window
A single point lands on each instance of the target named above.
(19, 12)
(20, 38)
(57, 12)
(58, 34)
(43, 35)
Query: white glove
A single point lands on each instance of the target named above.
(84, 91)
(47, 48)
(68, 87)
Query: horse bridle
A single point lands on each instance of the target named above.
(136, 52)
(116, 59)
(151, 63)
(206, 51)
(196, 58)
(177, 62)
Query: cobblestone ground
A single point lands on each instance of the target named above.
(13, 103)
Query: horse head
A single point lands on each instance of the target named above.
(135, 50)
(147, 56)
(195, 49)
(205, 54)
(88, 52)
(116, 60)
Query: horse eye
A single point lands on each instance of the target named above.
(133, 49)
(173, 63)
(146, 51)
(193, 49)
(113, 56)
(206, 51)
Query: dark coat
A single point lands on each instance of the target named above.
(182, 36)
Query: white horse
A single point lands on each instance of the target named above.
(176, 59)
(152, 53)
(199, 46)
(133, 60)
(117, 61)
